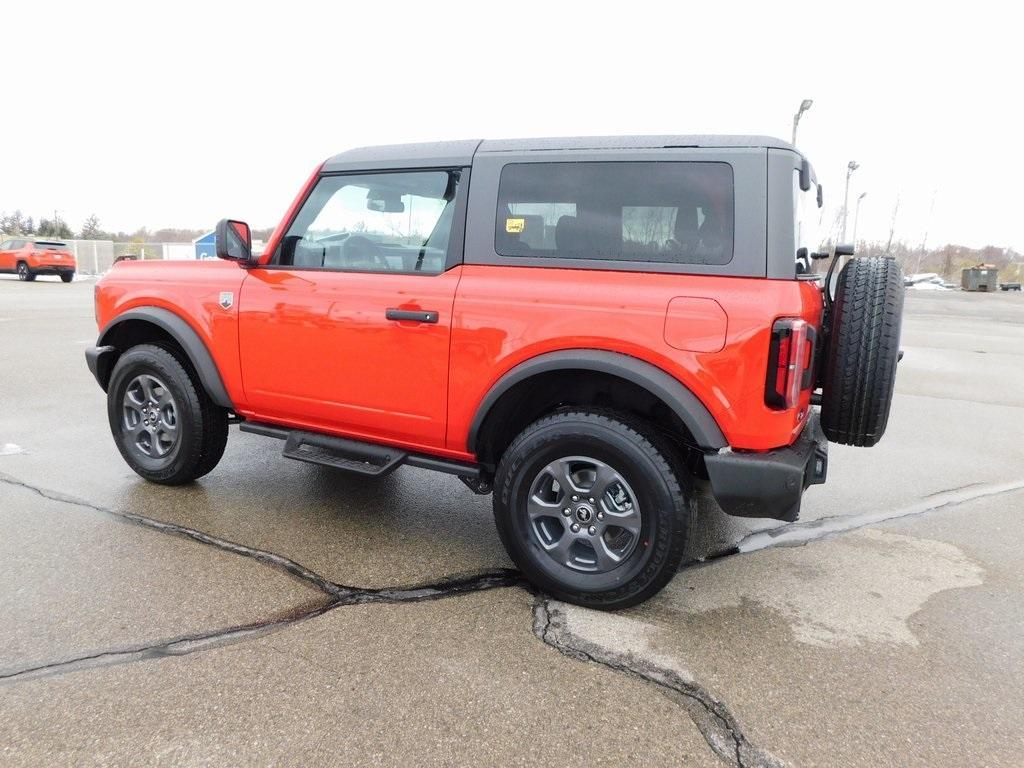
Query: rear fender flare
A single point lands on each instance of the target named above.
(686, 405)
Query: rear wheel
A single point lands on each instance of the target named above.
(165, 425)
(67, 277)
(593, 509)
(863, 350)
(24, 273)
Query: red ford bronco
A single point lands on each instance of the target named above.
(596, 328)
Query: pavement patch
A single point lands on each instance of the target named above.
(846, 598)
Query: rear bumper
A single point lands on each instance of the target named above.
(53, 269)
(769, 483)
(101, 361)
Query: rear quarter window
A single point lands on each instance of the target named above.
(660, 212)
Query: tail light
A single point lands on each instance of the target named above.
(790, 363)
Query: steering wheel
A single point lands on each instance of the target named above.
(362, 251)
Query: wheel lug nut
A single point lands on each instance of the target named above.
(575, 528)
(592, 530)
(566, 511)
(600, 515)
(575, 497)
(591, 499)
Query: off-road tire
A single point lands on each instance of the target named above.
(863, 350)
(67, 277)
(202, 425)
(653, 470)
(25, 274)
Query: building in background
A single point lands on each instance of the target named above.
(206, 246)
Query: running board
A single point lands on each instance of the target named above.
(356, 456)
(363, 458)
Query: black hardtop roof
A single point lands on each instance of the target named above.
(460, 153)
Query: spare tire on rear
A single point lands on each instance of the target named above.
(862, 352)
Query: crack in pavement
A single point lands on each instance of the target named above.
(712, 718)
(186, 644)
(267, 558)
(175, 646)
(709, 714)
(800, 533)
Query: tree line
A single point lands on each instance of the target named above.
(18, 224)
(948, 260)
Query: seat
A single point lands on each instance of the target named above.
(509, 243)
(568, 237)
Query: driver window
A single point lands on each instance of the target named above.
(381, 222)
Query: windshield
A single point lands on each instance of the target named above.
(807, 222)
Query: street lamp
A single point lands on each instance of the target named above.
(804, 106)
(856, 215)
(851, 166)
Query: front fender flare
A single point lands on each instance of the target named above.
(686, 405)
(187, 338)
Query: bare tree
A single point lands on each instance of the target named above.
(892, 226)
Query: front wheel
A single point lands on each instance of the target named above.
(24, 273)
(165, 425)
(593, 508)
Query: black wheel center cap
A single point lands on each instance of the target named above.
(584, 513)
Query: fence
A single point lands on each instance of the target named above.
(97, 256)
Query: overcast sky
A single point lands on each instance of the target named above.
(178, 114)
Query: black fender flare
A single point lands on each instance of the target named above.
(686, 405)
(181, 332)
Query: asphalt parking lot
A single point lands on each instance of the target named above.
(283, 613)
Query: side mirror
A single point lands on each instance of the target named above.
(805, 175)
(845, 249)
(234, 241)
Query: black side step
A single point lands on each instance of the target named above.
(364, 458)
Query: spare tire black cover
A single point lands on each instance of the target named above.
(863, 349)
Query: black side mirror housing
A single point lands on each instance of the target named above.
(805, 175)
(845, 249)
(234, 241)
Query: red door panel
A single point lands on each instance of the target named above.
(318, 351)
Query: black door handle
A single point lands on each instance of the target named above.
(415, 315)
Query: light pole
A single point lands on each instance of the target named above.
(856, 215)
(804, 106)
(851, 166)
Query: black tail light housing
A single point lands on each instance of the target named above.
(790, 363)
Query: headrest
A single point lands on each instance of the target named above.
(567, 234)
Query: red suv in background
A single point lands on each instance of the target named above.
(29, 258)
(595, 328)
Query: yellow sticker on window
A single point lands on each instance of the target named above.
(514, 226)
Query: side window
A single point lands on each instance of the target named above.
(6, 245)
(675, 212)
(376, 222)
